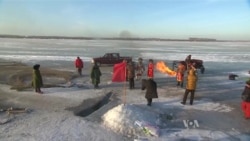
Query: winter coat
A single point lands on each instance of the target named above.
(150, 70)
(245, 96)
(130, 71)
(140, 68)
(37, 81)
(78, 63)
(95, 75)
(245, 106)
(180, 72)
(151, 88)
(179, 76)
(191, 79)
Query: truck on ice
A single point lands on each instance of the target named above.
(111, 59)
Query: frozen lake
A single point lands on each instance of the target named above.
(216, 96)
(224, 57)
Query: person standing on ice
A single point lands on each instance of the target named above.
(180, 74)
(151, 90)
(95, 75)
(131, 75)
(188, 59)
(37, 81)
(79, 65)
(150, 69)
(140, 68)
(191, 84)
(245, 104)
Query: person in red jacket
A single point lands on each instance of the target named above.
(79, 65)
(245, 104)
(151, 69)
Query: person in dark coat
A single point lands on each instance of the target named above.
(151, 90)
(37, 81)
(245, 104)
(95, 75)
(188, 61)
(191, 84)
(131, 75)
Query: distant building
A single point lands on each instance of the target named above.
(201, 39)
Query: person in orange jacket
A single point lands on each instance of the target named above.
(180, 74)
(79, 65)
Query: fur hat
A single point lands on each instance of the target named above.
(151, 60)
(36, 66)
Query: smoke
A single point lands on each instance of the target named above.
(125, 34)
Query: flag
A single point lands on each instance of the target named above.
(119, 72)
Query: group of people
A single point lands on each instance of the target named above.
(37, 81)
(133, 71)
(95, 73)
(137, 71)
(191, 78)
(151, 86)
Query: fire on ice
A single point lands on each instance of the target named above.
(163, 68)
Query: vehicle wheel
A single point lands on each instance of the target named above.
(202, 69)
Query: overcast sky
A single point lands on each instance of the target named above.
(181, 19)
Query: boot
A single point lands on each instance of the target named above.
(182, 84)
(178, 83)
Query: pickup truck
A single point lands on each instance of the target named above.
(198, 64)
(111, 59)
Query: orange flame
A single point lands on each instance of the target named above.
(164, 69)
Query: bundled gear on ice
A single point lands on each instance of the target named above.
(232, 76)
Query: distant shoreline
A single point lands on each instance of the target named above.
(192, 39)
